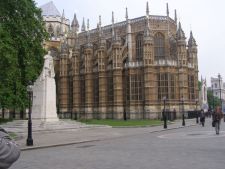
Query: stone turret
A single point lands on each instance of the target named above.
(167, 10)
(175, 16)
(181, 46)
(180, 34)
(168, 18)
(192, 51)
(75, 25)
(101, 37)
(128, 36)
(148, 61)
(83, 27)
(148, 41)
(191, 41)
(63, 78)
(115, 37)
(61, 24)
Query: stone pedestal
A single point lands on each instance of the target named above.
(44, 93)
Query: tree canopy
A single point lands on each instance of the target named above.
(212, 100)
(22, 33)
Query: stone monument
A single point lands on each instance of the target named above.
(44, 93)
(203, 95)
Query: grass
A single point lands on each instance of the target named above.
(118, 123)
(12, 135)
(5, 120)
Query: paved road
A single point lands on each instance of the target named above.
(185, 148)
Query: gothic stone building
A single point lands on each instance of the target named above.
(122, 70)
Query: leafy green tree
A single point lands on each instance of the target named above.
(22, 33)
(212, 100)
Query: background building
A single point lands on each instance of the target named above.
(218, 85)
(122, 70)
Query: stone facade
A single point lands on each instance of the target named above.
(124, 70)
(218, 87)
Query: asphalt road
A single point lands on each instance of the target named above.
(185, 148)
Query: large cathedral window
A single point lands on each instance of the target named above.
(82, 90)
(96, 88)
(159, 43)
(139, 47)
(191, 87)
(110, 84)
(50, 30)
(172, 86)
(136, 85)
(166, 86)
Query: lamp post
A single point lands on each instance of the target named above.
(219, 77)
(213, 97)
(196, 102)
(183, 120)
(164, 113)
(30, 94)
(124, 115)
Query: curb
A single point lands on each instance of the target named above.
(144, 126)
(88, 141)
(56, 145)
(191, 125)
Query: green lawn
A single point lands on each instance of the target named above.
(12, 135)
(117, 123)
(4, 120)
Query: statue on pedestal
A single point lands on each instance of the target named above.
(44, 93)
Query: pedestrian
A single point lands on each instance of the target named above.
(9, 150)
(210, 113)
(202, 118)
(217, 116)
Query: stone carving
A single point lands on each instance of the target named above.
(44, 93)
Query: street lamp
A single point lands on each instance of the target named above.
(196, 102)
(30, 94)
(213, 97)
(183, 120)
(124, 115)
(164, 112)
(219, 77)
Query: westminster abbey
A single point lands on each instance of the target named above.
(126, 70)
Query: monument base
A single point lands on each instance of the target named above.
(55, 119)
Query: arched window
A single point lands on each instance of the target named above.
(82, 90)
(50, 30)
(96, 86)
(110, 84)
(191, 88)
(139, 47)
(159, 42)
(166, 86)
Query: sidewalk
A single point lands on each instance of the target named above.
(45, 139)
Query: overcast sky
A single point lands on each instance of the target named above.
(204, 17)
